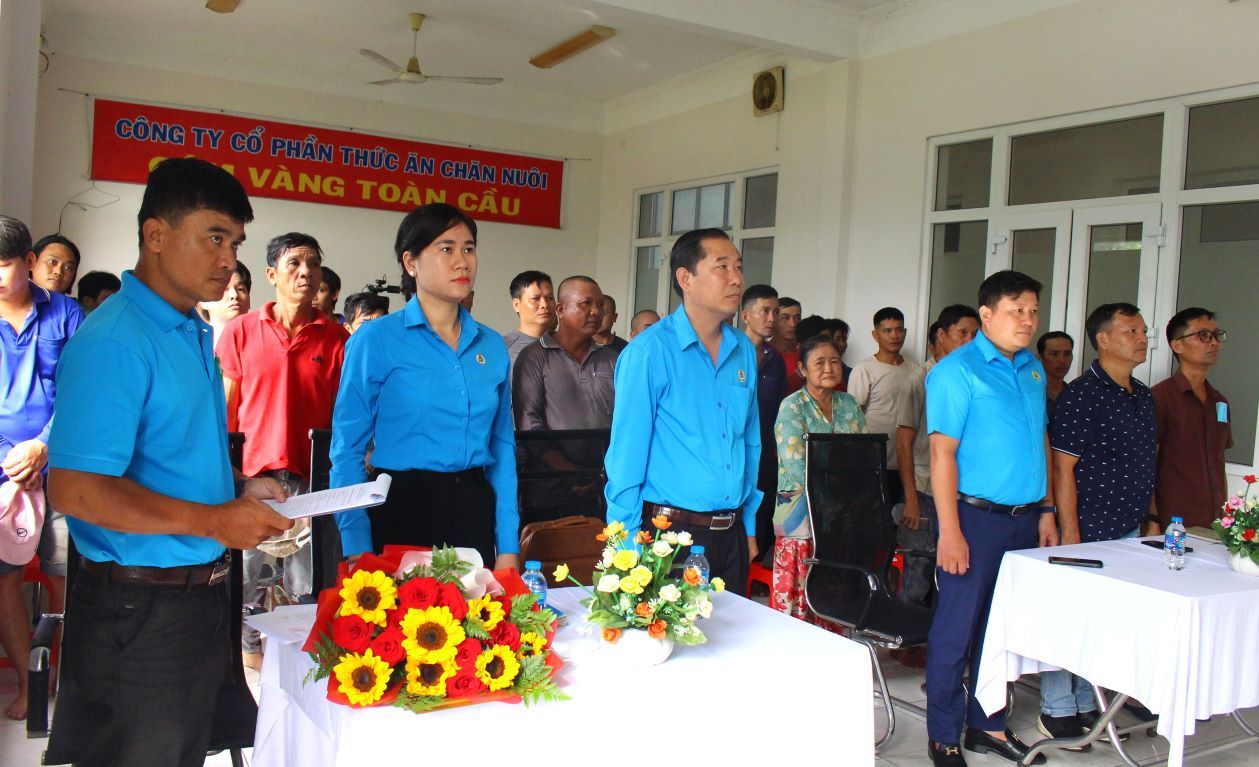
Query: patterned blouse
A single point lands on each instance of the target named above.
(798, 415)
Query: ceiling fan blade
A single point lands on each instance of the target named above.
(381, 60)
(390, 81)
(222, 6)
(467, 80)
(572, 46)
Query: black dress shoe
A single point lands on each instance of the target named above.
(945, 755)
(1063, 727)
(1088, 720)
(1011, 748)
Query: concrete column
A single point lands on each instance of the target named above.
(19, 77)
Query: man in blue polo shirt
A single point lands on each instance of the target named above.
(36, 324)
(685, 428)
(1105, 441)
(140, 466)
(989, 464)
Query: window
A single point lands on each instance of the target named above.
(744, 206)
(963, 175)
(1222, 148)
(957, 263)
(1110, 159)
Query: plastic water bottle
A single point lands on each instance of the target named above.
(699, 562)
(535, 580)
(1174, 545)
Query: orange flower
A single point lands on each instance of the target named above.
(643, 610)
(657, 629)
(661, 522)
(642, 537)
(601, 537)
(691, 576)
(611, 635)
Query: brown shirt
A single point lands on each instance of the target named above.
(1192, 439)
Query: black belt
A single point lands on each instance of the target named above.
(186, 576)
(998, 508)
(716, 521)
(476, 473)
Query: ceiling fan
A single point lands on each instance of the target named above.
(411, 72)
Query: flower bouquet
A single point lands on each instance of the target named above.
(424, 630)
(633, 589)
(1238, 528)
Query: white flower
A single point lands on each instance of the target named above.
(608, 553)
(670, 537)
(684, 538)
(670, 593)
(661, 548)
(705, 608)
(609, 583)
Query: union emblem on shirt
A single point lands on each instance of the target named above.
(1035, 376)
(480, 358)
(743, 377)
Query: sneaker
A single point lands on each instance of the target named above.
(1088, 719)
(1062, 728)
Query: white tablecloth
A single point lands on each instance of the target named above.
(1182, 643)
(764, 686)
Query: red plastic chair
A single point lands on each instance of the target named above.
(759, 573)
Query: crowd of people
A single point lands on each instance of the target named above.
(989, 447)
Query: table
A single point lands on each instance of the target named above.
(764, 685)
(1181, 642)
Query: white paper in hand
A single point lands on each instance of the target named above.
(337, 499)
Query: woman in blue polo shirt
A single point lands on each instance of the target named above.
(431, 387)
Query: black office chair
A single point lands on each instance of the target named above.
(545, 493)
(854, 540)
(235, 711)
(325, 537)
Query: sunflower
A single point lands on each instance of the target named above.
(432, 634)
(429, 678)
(497, 667)
(368, 594)
(531, 644)
(488, 609)
(362, 678)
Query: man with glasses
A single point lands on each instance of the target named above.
(1193, 421)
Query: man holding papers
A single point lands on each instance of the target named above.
(139, 465)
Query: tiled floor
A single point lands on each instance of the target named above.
(906, 749)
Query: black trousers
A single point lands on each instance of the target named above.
(147, 662)
(725, 550)
(433, 508)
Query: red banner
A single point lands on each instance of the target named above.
(332, 167)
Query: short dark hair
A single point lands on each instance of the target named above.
(245, 276)
(810, 326)
(1179, 322)
(837, 325)
(15, 238)
(284, 242)
(607, 297)
(955, 313)
(755, 293)
(1100, 318)
(365, 302)
(57, 239)
(1006, 283)
(688, 251)
(92, 283)
(333, 279)
(180, 185)
(888, 313)
(812, 344)
(934, 331)
(526, 278)
(420, 228)
(784, 302)
(1045, 338)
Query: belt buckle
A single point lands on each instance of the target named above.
(716, 522)
(219, 573)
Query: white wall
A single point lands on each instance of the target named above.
(358, 243)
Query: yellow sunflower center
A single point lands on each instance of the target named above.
(431, 673)
(363, 679)
(369, 597)
(494, 668)
(431, 636)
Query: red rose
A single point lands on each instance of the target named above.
(464, 684)
(1248, 535)
(506, 633)
(466, 655)
(417, 592)
(351, 633)
(388, 646)
(450, 597)
(1250, 479)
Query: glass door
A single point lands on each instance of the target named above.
(1038, 244)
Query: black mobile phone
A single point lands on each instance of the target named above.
(1159, 545)
(1075, 562)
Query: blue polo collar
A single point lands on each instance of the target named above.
(991, 352)
(157, 309)
(413, 316)
(687, 336)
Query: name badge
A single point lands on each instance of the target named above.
(1221, 412)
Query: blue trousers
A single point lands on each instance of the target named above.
(961, 617)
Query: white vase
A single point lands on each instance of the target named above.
(1243, 564)
(635, 648)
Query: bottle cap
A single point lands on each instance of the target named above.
(1179, 520)
(697, 549)
(533, 564)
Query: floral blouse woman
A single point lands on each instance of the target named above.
(818, 407)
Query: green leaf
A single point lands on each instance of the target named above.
(475, 628)
(1254, 556)
(534, 683)
(417, 704)
(325, 655)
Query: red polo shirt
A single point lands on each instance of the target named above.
(287, 385)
